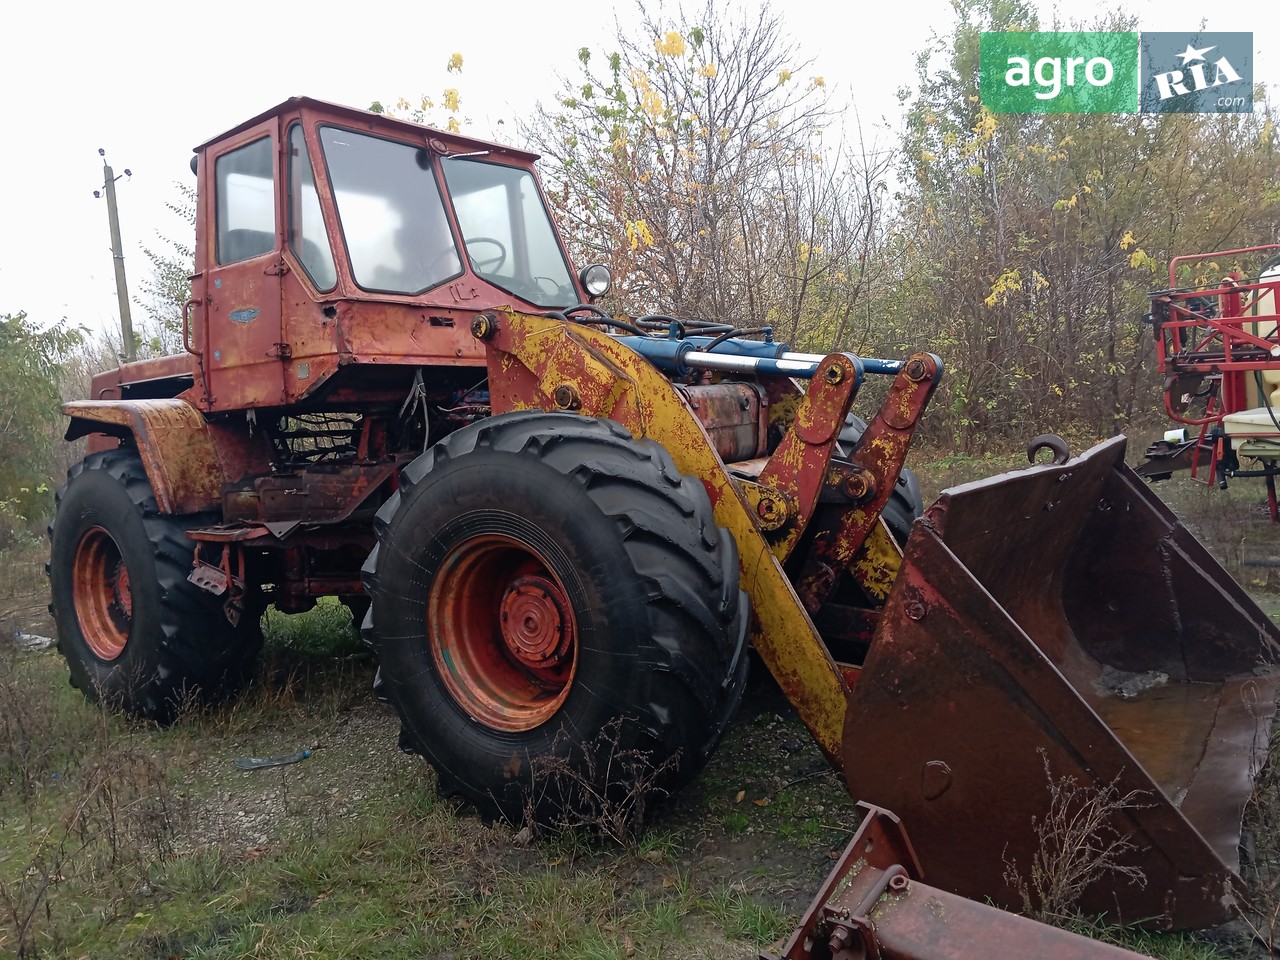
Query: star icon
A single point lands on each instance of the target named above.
(1191, 53)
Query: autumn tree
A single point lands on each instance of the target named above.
(694, 160)
(30, 375)
(1025, 245)
(167, 288)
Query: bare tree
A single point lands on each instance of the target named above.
(694, 161)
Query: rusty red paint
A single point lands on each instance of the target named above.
(1059, 622)
(318, 497)
(735, 416)
(295, 346)
(798, 466)
(176, 448)
(875, 904)
(840, 531)
(302, 341)
(103, 598)
(502, 632)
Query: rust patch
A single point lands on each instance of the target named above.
(173, 441)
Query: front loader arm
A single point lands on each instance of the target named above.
(540, 363)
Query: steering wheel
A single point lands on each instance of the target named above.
(491, 264)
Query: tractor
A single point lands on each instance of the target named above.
(560, 527)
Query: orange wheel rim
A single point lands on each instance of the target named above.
(502, 633)
(102, 594)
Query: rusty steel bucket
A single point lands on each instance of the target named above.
(1060, 623)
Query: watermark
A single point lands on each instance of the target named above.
(1116, 72)
(1197, 72)
(1059, 72)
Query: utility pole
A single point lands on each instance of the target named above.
(117, 253)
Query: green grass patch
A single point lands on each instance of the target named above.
(324, 630)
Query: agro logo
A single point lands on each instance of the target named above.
(1059, 72)
(1197, 73)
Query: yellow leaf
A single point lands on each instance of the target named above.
(762, 802)
(708, 71)
(638, 234)
(784, 76)
(455, 63)
(451, 99)
(740, 797)
(672, 45)
(651, 103)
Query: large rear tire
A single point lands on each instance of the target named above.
(136, 634)
(545, 587)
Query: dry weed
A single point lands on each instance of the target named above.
(565, 792)
(99, 810)
(1078, 846)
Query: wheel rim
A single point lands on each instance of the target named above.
(102, 594)
(503, 633)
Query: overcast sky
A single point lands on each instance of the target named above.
(147, 81)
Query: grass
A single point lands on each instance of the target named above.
(348, 854)
(118, 839)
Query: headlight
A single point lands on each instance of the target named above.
(596, 280)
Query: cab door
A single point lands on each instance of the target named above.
(244, 357)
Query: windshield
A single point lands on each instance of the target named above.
(393, 220)
(507, 232)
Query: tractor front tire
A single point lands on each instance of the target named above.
(136, 634)
(552, 601)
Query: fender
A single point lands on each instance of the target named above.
(186, 458)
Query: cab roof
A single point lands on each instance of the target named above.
(367, 120)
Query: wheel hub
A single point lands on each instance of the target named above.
(533, 621)
(102, 593)
(503, 632)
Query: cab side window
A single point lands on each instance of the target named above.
(307, 237)
(245, 185)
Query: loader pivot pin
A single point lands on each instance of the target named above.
(567, 398)
(484, 326)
